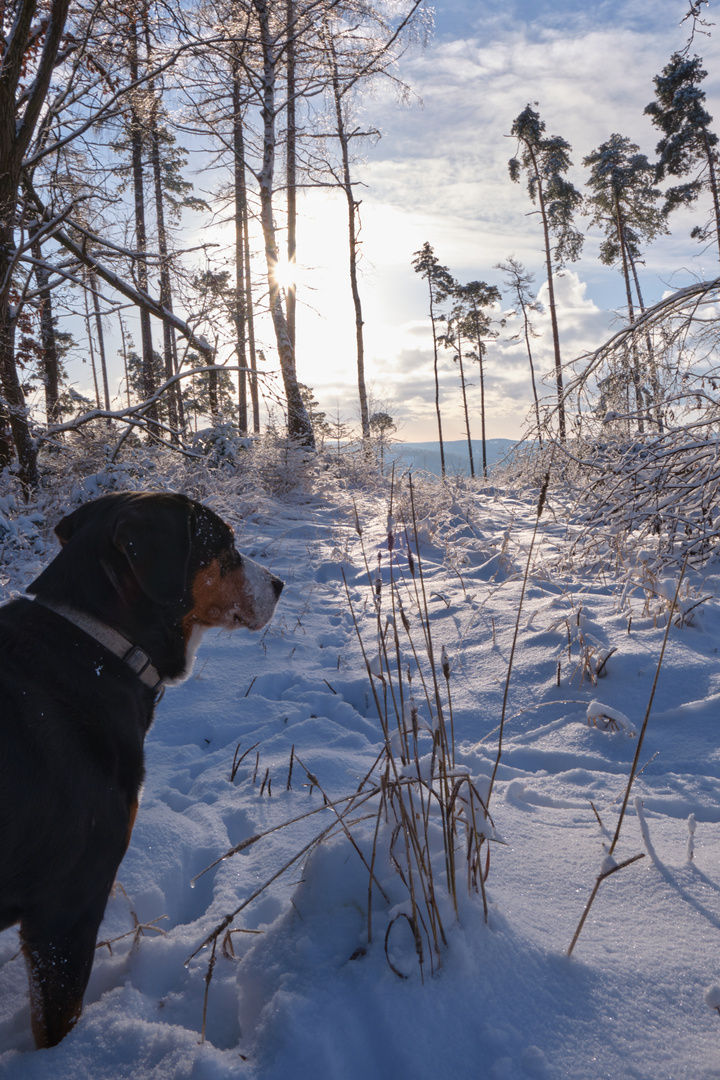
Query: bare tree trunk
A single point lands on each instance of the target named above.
(12, 390)
(620, 225)
(654, 378)
(713, 186)
(50, 369)
(169, 344)
(6, 443)
(551, 297)
(526, 327)
(480, 356)
(100, 339)
(172, 397)
(483, 440)
(299, 426)
(240, 218)
(254, 395)
(244, 323)
(437, 382)
(136, 144)
(125, 358)
(14, 398)
(291, 169)
(467, 415)
(353, 210)
(17, 125)
(91, 348)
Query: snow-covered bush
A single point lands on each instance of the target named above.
(644, 467)
(221, 445)
(19, 528)
(659, 491)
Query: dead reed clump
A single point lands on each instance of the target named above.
(432, 820)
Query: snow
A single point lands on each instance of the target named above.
(298, 990)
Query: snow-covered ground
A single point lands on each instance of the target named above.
(298, 991)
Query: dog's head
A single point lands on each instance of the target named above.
(172, 550)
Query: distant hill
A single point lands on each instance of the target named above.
(425, 456)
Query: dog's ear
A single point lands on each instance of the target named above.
(154, 536)
(72, 523)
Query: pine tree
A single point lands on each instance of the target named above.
(440, 286)
(518, 280)
(688, 145)
(545, 160)
(469, 323)
(382, 428)
(623, 202)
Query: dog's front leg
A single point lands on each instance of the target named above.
(59, 965)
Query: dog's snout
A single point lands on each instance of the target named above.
(278, 586)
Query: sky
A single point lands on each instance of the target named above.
(439, 174)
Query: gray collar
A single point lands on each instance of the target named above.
(136, 658)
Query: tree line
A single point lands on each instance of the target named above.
(99, 223)
(630, 199)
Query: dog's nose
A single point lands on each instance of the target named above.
(277, 585)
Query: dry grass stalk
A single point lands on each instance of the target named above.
(138, 931)
(314, 780)
(208, 977)
(606, 873)
(237, 761)
(422, 791)
(228, 949)
(250, 840)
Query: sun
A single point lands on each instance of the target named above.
(285, 273)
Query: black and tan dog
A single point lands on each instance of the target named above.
(117, 615)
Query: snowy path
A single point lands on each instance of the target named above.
(508, 1003)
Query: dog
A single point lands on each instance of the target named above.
(115, 617)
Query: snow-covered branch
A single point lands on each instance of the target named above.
(131, 413)
(138, 297)
(678, 303)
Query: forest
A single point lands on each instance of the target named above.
(102, 227)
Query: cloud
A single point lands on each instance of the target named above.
(440, 174)
(402, 373)
(447, 162)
